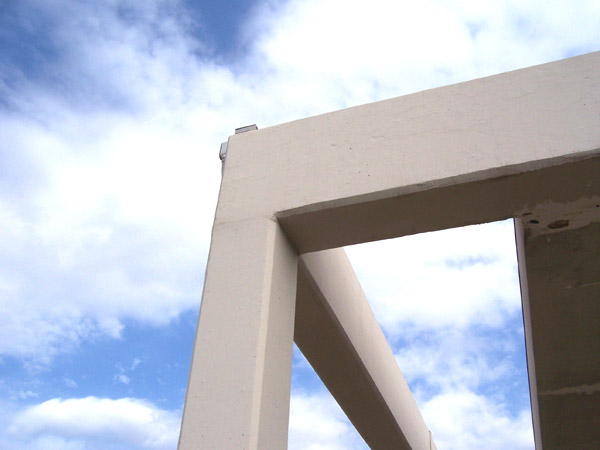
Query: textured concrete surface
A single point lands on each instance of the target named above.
(561, 260)
(239, 386)
(524, 144)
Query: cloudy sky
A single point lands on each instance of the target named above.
(111, 116)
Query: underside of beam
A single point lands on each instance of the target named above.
(338, 334)
(497, 198)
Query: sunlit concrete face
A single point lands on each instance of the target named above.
(523, 144)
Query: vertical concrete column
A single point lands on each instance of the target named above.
(239, 388)
(559, 260)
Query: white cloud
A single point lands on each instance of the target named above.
(318, 423)
(117, 145)
(23, 395)
(464, 420)
(110, 177)
(122, 378)
(46, 443)
(459, 420)
(449, 303)
(96, 423)
(341, 53)
(448, 360)
(122, 375)
(136, 362)
(454, 278)
(70, 383)
(112, 215)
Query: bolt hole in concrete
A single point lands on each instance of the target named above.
(558, 224)
(449, 305)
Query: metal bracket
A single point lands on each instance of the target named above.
(223, 149)
(246, 128)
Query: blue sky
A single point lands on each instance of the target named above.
(111, 116)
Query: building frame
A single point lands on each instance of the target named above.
(523, 145)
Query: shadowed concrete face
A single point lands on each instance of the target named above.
(560, 255)
(525, 144)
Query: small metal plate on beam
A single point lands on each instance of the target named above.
(246, 128)
(223, 151)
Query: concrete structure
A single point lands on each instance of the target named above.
(524, 144)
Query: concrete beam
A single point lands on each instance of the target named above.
(375, 158)
(239, 387)
(559, 262)
(512, 145)
(338, 334)
(461, 204)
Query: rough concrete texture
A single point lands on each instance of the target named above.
(562, 297)
(491, 127)
(524, 144)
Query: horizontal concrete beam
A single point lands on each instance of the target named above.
(439, 208)
(490, 128)
(338, 334)
(512, 145)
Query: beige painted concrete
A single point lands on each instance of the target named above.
(489, 128)
(239, 386)
(439, 208)
(524, 144)
(561, 302)
(338, 334)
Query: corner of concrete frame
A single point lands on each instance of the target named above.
(528, 148)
